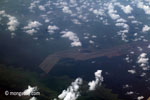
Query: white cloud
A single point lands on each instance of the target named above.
(13, 22)
(66, 10)
(98, 12)
(144, 7)
(143, 61)
(121, 20)
(127, 59)
(2, 12)
(131, 17)
(73, 37)
(72, 92)
(143, 74)
(91, 42)
(51, 28)
(140, 49)
(33, 98)
(136, 22)
(42, 8)
(33, 5)
(98, 80)
(13, 35)
(140, 98)
(32, 27)
(31, 31)
(112, 13)
(86, 37)
(73, 1)
(33, 24)
(146, 28)
(142, 58)
(124, 25)
(148, 46)
(29, 90)
(94, 36)
(132, 71)
(126, 86)
(123, 32)
(130, 93)
(47, 20)
(126, 9)
(76, 21)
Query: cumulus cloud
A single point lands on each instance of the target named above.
(140, 98)
(121, 20)
(94, 36)
(140, 49)
(73, 37)
(136, 22)
(123, 32)
(33, 5)
(33, 24)
(73, 1)
(124, 25)
(130, 93)
(112, 13)
(148, 46)
(32, 27)
(143, 74)
(51, 28)
(146, 8)
(72, 92)
(76, 21)
(42, 8)
(13, 22)
(142, 58)
(143, 61)
(91, 42)
(132, 71)
(128, 59)
(33, 98)
(98, 12)
(146, 28)
(2, 12)
(97, 82)
(29, 91)
(13, 35)
(126, 86)
(127, 9)
(31, 31)
(66, 9)
(131, 17)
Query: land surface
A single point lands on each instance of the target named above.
(85, 54)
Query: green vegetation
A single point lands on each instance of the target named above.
(101, 93)
(17, 79)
